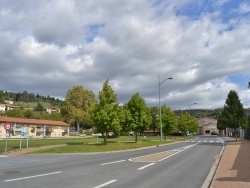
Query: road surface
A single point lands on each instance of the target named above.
(179, 165)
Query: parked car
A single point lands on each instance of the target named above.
(213, 133)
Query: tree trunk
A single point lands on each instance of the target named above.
(105, 139)
(135, 137)
(235, 131)
(78, 125)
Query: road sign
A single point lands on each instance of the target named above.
(7, 126)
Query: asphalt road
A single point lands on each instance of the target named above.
(180, 165)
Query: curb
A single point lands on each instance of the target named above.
(207, 183)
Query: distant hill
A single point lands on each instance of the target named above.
(200, 113)
(26, 99)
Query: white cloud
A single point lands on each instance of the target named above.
(44, 49)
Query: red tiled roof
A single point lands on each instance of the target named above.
(32, 121)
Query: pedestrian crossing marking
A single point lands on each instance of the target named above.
(204, 141)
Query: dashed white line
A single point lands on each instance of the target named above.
(104, 184)
(29, 177)
(113, 162)
(143, 167)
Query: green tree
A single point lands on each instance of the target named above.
(221, 122)
(187, 123)
(28, 114)
(78, 104)
(39, 107)
(18, 113)
(154, 114)
(234, 115)
(106, 113)
(169, 120)
(139, 116)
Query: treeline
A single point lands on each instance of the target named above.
(200, 113)
(29, 97)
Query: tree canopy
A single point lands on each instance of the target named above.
(78, 103)
(138, 117)
(233, 114)
(106, 114)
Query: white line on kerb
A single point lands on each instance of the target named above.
(102, 185)
(150, 164)
(32, 176)
(113, 162)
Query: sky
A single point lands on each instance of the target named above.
(49, 46)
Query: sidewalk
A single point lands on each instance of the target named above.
(234, 168)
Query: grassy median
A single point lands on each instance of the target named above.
(86, 144)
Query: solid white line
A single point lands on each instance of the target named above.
(33, 176)
(113, 162)
(102, 185)
(150, 164)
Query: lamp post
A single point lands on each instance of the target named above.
(159, 83)
(191, 105)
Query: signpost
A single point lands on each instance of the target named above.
(7, 127)
(24, 134)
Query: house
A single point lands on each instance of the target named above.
(207, 126)
(33, 127)
(8, 102)
(2, 108)
(53, 109)
(10, 107)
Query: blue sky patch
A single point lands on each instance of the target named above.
(93, 31)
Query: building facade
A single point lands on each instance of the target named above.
(207, 126)
(33, 128)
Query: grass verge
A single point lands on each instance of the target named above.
(86, 144)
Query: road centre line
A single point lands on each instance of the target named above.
(104, 184)
(178, 151)
(143, 167)
(29, 177)
(113, 162)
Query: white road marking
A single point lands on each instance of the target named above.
(29, 177)
(104, 184)
(211, 141)
(150, 164)
(3, 156)
(113, 162)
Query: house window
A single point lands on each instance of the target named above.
(207, 131)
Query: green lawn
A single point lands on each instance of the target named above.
(87, 144)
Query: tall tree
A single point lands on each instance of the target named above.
(106, 113)
(78, 104)
(221, 122)
(169, 120)
(234, 115)
(154, 113)
(139, 116)
(187, 123)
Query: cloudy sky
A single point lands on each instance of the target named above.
(49, 46)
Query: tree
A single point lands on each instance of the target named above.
(187, 123)
(78, 104)
(18, 113)
(154, 114)
(39, 107)
(169, 120)
(221, 122)
(139, 116)
(234, 115)
(106, 113)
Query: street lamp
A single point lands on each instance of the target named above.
(191, 105)
(159, 83)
